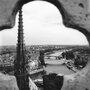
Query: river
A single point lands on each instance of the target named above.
(57, 66)
(59, 69)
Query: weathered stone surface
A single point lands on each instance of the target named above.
(7, 82)
(75, 13)
(78, 81)
(8, 11)
(7, 14)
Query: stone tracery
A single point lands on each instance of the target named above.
(75, 14)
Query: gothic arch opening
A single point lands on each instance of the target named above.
(43, 26)
(48, 31)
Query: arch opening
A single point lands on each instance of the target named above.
(43, 26)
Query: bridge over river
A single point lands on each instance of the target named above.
(57, 66)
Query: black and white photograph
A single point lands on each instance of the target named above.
(44, 44)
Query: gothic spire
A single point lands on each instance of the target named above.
(19, 65)
(20, 28)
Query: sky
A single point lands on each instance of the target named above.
(42, 25)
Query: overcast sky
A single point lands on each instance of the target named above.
(43, 25)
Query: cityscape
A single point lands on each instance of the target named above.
(41, 63)
(69, 53)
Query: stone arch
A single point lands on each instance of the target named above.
(67, 18)
(81, 22)
(7, 19)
